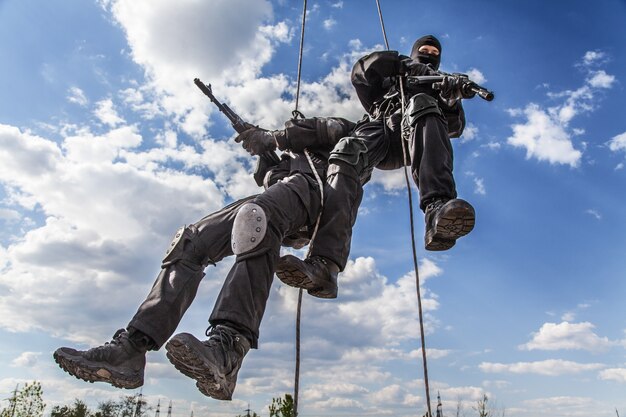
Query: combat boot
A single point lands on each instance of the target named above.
(120, 362)
(446, 221)
(317, 275)
(214, 363)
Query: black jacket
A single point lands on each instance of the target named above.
(375, 75)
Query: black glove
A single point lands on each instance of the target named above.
(451, 88)
(415, 68)
(257, 141)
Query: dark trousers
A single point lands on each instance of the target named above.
(242, 299)
(374, 144)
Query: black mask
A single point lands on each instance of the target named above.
(432, 60)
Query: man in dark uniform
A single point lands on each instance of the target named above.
(431, 117)
(253, 230)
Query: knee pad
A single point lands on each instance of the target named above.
(419, 106)
(249, 228)
(350, 150)
(185, 247)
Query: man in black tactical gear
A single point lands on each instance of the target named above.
(253, 229)
(431, 117)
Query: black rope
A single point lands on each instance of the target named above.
(382, 24)
(296, 388)
(417, 275)
(296, 112)
(412, 220)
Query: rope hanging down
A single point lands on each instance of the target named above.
(296, 113)
(382, 24)
(415, 265)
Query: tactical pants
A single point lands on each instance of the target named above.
(352, 161)
(242, 299)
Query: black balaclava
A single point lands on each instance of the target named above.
(433, 60)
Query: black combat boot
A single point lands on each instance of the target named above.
(120, 362)
(446, 221)
(317, 275)
(214, 363)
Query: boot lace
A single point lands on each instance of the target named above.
(435, 205)
(104, 352)
(225, 339)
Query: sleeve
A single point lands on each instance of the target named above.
(371, 74)
(312, 133)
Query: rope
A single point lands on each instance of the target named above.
(415, 265)
(296, 384)
(417, 275)
(382, 24)
(299, 309)
(296, 113)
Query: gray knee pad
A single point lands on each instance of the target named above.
(184, 247)
(249, 228)
(419, 106)
(350, 150)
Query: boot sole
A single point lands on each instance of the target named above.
(90, 371)
(458, 220)
(209, 380)
(294, 277)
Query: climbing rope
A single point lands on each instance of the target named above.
(296, 113)
(412, 220)
(382, 24)
(415, 266)
(299, 308)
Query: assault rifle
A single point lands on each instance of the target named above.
(468, 87)
(267, 159)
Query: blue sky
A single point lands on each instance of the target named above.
(107, 147)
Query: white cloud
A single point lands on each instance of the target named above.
(479, 188)
(329, 23)
(392, 181)
(618, 143)
(565, 335)
(568, 316)
(550, 367)
(600, 79)
(476, 75)
(102, 215)
(494, 146)
(26, 359)
(613, 374)
(9, 215)
(469, 133)
(544, 138)
(560, 405)
(76, 95)
(546, 133)
(594, 213)
(592, 57)
(337, 5)
(106, 113)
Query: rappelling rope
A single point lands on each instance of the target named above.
(296, 114)
(382, 24)
(417, 275)
(410, 194)
(299, 309)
